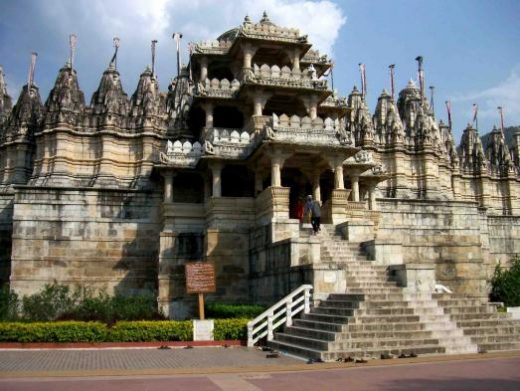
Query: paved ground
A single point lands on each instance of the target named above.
(247, 369)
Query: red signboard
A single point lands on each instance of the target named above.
(200, 277)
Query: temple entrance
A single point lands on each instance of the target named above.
(300, 187)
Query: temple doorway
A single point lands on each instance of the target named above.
(300, 187)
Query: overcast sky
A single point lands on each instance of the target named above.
(470, 47)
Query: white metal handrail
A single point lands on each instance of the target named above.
(280, 313)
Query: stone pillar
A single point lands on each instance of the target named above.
(316, 190)
(296, 61)
(355, 187)
(311, 104)
(259, 101)
(248, 51)
(216, 169)
(168, 186)
(339, 183)
(208, 108)
(277, 159)
(203, 69)
(207, 188)
(372, 204)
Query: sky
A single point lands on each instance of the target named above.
(470, 48)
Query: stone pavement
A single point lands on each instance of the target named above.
(37, 361)
(445, 373)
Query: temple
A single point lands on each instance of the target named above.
(119, 194)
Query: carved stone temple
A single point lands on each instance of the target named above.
(118, 194)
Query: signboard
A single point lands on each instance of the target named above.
(200, 277)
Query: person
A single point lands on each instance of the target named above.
(299, 209)
(313, 207)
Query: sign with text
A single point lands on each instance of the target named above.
(200, 277)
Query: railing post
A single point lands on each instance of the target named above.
(288, 312)
(307, 305)
(270, 330)
(250, 340)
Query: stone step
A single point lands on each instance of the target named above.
(364, 319)
(296, 350)
(319, 325)
(474, 316)
(477, 323)
(307, 342)
(385, 327)
(395, 334)
(493, 330)
(460, 302)
(333, 310)
(382, 343)
(327, 318)
(499, 346)
(312, 333)
(480, 339)
(376, 353)
(484, 309)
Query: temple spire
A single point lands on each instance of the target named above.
(501, 112)
(420, 74)
(432, 103)
(392, 85)
(3, 85)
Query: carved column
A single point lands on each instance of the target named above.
(216, 170)
(372, 204)
(295, 58)
(316, 189)
(311, 104)
(208, 109)
(355, 187)
(168, 186)
(277, 160)
(248, 51)
(259, 100)
(203, 69)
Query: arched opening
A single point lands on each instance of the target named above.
(237, 181)
(188, 187)
(271, 56)
(228, 117)
(220, 70)
(196, 121)
(289, 104)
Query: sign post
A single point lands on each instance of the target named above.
(200, 279)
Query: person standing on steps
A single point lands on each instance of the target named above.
(313, 207)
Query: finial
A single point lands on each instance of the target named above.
(113, 61)
(72, 49)
(154, 42)
(265, 18)
(247, 20)
(32, 67)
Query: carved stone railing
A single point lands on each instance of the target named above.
(281, 313)
(218, 88)
(332, 101)
(231, 142)
(212, 47)
(314, 57)
(285, 77)
(272, 32)
(181, 154)
(303, 130)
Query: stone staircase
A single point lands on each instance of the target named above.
(375, 316)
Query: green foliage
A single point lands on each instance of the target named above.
(49, 304)
(166, 330)
(230, 329)
(225, 311)
(110, 309)
(136, 331)
(9, 304)
(506, 284)
(53, 332)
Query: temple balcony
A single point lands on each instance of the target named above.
(216, 88)
(307, 131)
(284, 77)
(212, 47)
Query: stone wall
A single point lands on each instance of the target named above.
(6, 228)
(504, 239)
(103, 239)
(447, 234)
